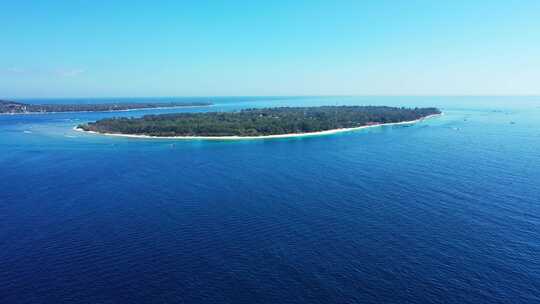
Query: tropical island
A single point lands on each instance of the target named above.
(255, 123)
(12, 107)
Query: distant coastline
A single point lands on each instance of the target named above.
(289, 135)
(16, 108)
(109, 111)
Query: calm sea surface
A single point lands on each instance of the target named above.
(445, 211)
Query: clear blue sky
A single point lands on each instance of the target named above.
(187, 48)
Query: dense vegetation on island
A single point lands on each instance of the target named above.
(11, 107)
(258, 122)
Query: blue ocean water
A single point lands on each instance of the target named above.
(445, 211)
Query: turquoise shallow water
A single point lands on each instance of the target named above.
(445, 211)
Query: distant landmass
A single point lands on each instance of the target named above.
(258, 122)
(12, 107)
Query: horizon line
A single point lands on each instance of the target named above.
(276, 96)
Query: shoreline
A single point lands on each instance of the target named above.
(289, 135)
(109, 111)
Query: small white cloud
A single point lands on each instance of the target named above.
(58, 72)
(15, 70)
(70, 72)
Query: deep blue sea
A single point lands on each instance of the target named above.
(445, 211)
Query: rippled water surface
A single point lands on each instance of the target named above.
(445, 211)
